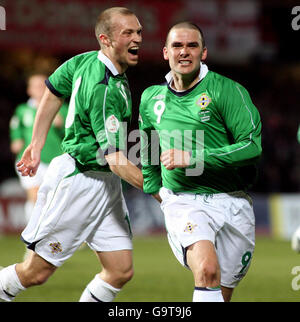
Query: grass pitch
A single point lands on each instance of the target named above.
(160, 278)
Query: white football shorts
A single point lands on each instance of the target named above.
(74, 207)
(226, 219)
(32, 182)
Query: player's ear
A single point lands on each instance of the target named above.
(204, 54)
(165, 53)
(104, 39)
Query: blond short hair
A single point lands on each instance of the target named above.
(104, 24)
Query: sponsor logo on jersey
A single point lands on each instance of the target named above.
(203, 101)
(189, 228)
(55, 248)
(159, 97)
(112, 124)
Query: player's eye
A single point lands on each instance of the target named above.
(127, 32)
(176, 45)
(193, 44)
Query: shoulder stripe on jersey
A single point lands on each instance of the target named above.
(103, 108)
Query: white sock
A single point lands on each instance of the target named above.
(99, 291)
(207, 294)
(10, 283)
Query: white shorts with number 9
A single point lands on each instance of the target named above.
(74, 207)
(226, 219)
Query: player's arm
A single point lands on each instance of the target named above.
(46, 112)
(174, 158)
(242, 120)
(125, 169)
(150, 149)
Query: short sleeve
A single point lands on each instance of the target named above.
(60, 82)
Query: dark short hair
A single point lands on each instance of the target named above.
(103, 23)
(188, 25)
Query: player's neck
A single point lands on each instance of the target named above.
(121, 68)
(184, 82)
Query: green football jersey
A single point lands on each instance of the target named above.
(298, 134)
(21, 126)
(215, 121)
(99, 109)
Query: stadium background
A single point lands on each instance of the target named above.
(250, 41)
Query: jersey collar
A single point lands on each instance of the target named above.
(202, 73)
(108, 63)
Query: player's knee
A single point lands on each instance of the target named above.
(124, 276)
(40, 278)
(31, 274)
(121, 277)
(209, 273)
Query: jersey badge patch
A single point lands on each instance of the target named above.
(55, 248)
(203, 101)
(189, 228)
(112, 124)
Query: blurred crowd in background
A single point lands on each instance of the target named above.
(250, 41)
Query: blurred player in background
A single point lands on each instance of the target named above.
(81, 198)
(209, 217)
(21, 126)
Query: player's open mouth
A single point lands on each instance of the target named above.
(185, 62)
(133, 50)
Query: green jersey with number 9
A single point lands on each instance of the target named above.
(215, 121)
(99, 108)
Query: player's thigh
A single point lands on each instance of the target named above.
(202, 260)
(116, 261)
(114, 231)
(235, 243)
(201, 253)
(117, 267)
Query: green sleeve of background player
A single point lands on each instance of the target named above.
(149, 144)
(243, 122)
(298, 134)
(15, 126)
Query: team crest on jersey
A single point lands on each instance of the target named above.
(203, 101)
(55, 248)
(112, 124)
(189, 228)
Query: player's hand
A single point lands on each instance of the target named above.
(29, 162)
(174, 158)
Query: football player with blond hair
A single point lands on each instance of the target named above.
(81, 198)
